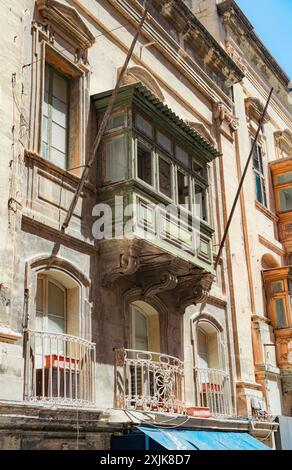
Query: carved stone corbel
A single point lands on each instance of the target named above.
(164, 281)
(195, 291)
(221, 113)
(129, 264)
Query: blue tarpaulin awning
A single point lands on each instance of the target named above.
(174, 439)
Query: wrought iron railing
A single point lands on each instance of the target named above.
(213, 391)
(149, 381)
(59, 369)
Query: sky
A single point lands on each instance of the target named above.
(272, 21)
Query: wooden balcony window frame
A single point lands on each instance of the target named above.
(272, 277)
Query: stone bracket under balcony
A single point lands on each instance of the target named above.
(153, 272)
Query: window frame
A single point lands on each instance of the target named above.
(55, 71)
(260, 174)
(134, 309)
(176, 165)
(46, 278)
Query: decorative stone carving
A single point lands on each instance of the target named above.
(166, 281)
(254, 109)
(129, 264)
(201, 129)
(65, 20)
(194, 291)
(283, 140)
(236, 57)
(4, 303)
(138, 74)
(221, 113)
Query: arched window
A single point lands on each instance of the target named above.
(210, 352)
(51, 305)
(212, 381)
(145, 334)
(140, 330)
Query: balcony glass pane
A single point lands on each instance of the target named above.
(56, 300)
(200, 202)
(164, 141)
(285, 178)
(277, 286)
(181, 155)
(183, 189)
(116, 159)
(141, 336)
(165, 183)
(280, 313)
(144, 163)
(116, 121)
(286, 199)
(143, 125)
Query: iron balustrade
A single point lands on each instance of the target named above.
(149, 381)
(60, 368)
(213, 391)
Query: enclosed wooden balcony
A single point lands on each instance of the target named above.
(149, 381)
(153, 177)
(59, 369)
(282, 180)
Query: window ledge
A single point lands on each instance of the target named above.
(30, 155)
(266, 212)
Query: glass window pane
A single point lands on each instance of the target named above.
(56, 300)
(164, 141)
(285, 178)
(60, 88)
(144, 164)
(144, 125)
(58, 158)
(116, 159)
(59, 137)
(277, 286)
(197, 168)
(40, 295)
(141, 336)
(200, 202)
(183, 189)
(259, 195)
(286, 199)
(45, 129)
(116, 121)
(59, 112)
(165, 184)
(181, 155)
(56, 324)
(280, 313)
(202, 350)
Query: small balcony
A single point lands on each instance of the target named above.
(213, 391)
(59, 369)
(149, 381)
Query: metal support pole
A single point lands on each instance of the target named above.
(241, 182)
(104, 122)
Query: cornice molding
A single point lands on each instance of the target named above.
(65, 20)
(284, 140)
(235, 18)
(254, 109)
(138, 74)
(271, 246)
(203, 131)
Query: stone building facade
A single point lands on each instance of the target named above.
(98, 334)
